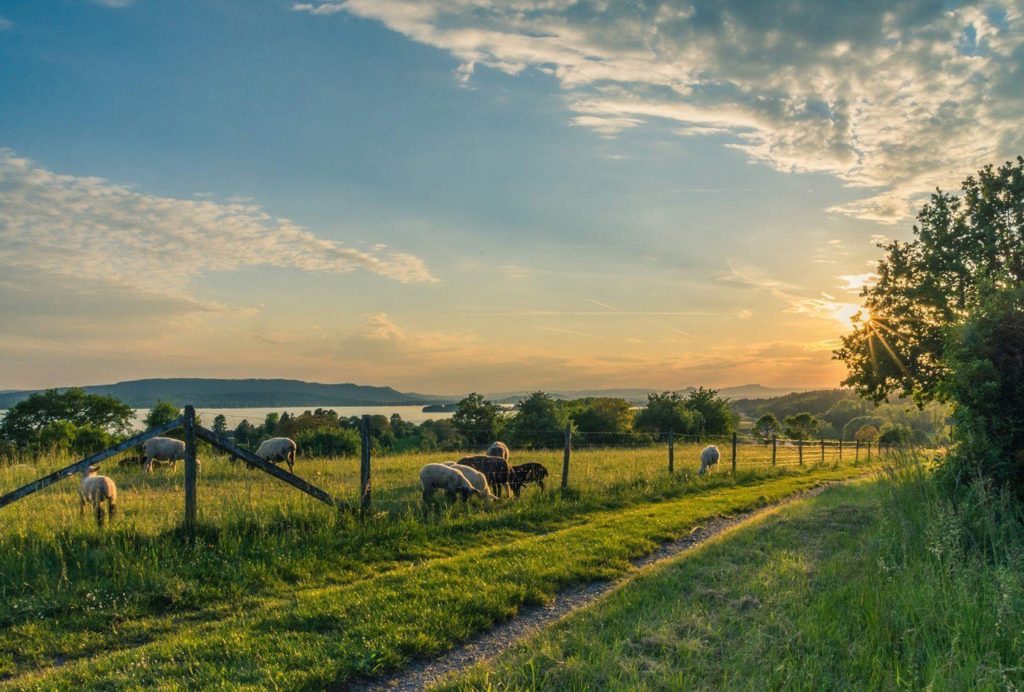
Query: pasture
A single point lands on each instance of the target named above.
(274, 589)
(872, 585)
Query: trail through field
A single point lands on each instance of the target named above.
(530, 619)
(327, 636)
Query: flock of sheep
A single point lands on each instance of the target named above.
(470, 476)
(477, 475)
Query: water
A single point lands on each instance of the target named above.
(234, 416)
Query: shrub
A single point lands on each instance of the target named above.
(986, 384)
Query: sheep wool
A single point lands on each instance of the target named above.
(94, 490)
(278, 449)
(440, 477)
(709, 456)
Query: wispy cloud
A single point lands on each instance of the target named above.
(91, 229)
(894, 99)
(6, 24)
(793, 297)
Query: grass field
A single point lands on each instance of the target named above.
(879, 585)
(275, 589)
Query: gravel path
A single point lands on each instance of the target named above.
(422, 673)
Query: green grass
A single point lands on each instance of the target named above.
(275, 589)
(877, 585)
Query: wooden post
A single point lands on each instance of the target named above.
(869, 450)
(565, 457)
(840, 448)
(800, 448)
(823, 450)
(734, 454)
(190, 466)
(671, 452)
(364, 465)
(773, 449)
(856, 453)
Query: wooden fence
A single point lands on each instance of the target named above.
(193, 432)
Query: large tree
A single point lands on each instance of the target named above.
(477, 419)
(965, 248)
(539, 421)
(26, 420)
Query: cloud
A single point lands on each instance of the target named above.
(853, 283)
(6, 24)
(62, 227)
(822, 306)
(117, 4)
(893, 99)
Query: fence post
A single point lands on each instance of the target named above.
(190, 466)
(856, 453)
(869, 450)
(565, 457)
(773, 449)
(823, 450)
(671, 452)
(734, 454)
(800, 447)
(364, 465)
(840, 449)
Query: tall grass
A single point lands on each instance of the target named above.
(68, 588)
(880, 585)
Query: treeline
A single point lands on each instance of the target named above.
(76, 422)
(842, 414)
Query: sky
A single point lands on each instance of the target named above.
(454, 195)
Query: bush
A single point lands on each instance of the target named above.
(986, 384)
(328, 442)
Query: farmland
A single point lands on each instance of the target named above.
(873, 585)
(274, 589)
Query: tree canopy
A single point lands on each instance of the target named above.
(965, 248)
(62, 415)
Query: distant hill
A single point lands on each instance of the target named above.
(255, 393)
(816, 402)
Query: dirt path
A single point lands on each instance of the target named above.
(421, 674)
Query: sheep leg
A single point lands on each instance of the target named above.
(541, 484)
(111, 508)
(99, 513)
(81, 508)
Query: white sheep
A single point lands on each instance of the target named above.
(94, 490)
(165, 450)
(278, 449)
(709, 457)
(439, 476)
(498, 449)
(475, 477)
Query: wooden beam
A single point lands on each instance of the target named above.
(265, 466)
(190, 466)
(78, 466)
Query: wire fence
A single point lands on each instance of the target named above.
(596, 463)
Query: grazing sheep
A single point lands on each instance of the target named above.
(496, 469)
(527, 473)
(278, 449)
(163, 450)
(439, 476)
(131, 462)
(708, 458)
(498, 449)
(94, 490)
(475, 477)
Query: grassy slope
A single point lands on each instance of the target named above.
(865, 587)
(408, 598)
